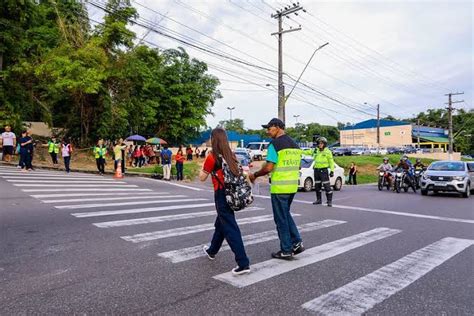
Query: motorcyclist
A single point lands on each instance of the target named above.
(386, 167)
(419, 165)
(407, 166)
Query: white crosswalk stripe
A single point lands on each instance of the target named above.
(43, 196)
(131, 190)
(140, 197)
(79, 185)
(95, 205)
(271, 268)
(143, 210)
(57, 177)
(190, 229)
(67, 181)
(189, 253)
(359, 296)
(164, 218)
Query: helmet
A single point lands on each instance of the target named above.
(404, 157)
(418, 160)
(323, 140)
(385, 158)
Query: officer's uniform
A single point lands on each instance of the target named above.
(53, 150)
(100, 152)
(323, 161)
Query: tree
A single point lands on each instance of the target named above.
(233, 125)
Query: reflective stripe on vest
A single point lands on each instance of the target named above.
(53, 147)
(99, 152)
(285, 175)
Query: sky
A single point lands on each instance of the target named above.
(403, 55)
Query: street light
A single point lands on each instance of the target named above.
(230, 109)
(296, 118)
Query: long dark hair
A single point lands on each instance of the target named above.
(220, 146)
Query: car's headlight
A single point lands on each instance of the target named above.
(458, 178)
(424, 177)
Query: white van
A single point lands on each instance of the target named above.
(258, 150)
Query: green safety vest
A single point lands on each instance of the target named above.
(99, 151)
(323, 159)
(53, 147)
(286, 173)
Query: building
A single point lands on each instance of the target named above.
(235, 139)
(392, 134)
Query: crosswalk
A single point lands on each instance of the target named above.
(112, 205)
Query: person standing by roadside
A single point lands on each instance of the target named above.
(166, 162)
(53, 150)
(118, 148)
(226, 226)
(189, 153)
(197, 152)
(353, 174)
(179, 165)
(26, 151)
(323, 160)
(8, 143)
(66, 151)
(283, 162)
(100, 150)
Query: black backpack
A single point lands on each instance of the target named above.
(238, 192)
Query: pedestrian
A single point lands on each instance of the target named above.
(26, 151)
(179, 165)
(130, 155)
(118, 158)
(100, 151)
(283, 162)
(53, 150)
(8, 143)
(166, 162)
(323, 170)
(203, 153)
(142, 159)
(66, 150)
(136, 156)
(197, 152)
(189, 153)
(353, 174)
(226, 226)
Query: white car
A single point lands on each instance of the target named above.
(258, 150)
(306, 181)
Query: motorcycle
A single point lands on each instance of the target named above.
(403, 181)
(418, 175)
(384, 180)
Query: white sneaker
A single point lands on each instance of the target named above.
(209, 256)
(238, 270)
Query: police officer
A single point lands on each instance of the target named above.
(283, 162)
(323, 161)
(99, 152)
(53, 149)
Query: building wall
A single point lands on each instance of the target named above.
(389, 136)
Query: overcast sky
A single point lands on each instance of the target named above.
(404, 55)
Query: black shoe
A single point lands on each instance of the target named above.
(298, 248)
(282, 255)
(329, 204)
(239, 270)
(209, 256)
(317, 202)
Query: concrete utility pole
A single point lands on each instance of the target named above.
(378, 125)
(418, 132)
(230, 109)
(281, 88)
(450, 118)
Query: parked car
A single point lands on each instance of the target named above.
(306, 180)
(359, 151)
(394, 150)
(448, 176)
(243, 152)
(258, 150)
(341, 151)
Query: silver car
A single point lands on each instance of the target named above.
(448, 176)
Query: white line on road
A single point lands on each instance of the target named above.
(68, 181)
(80, 185)
(190, 229)
(154, 196)
(359, 296)
(164, 218)
(175, 184)
(131, 190)
(189, 253)
(142, 210)
(56, 177)
(42, 173)
(80, 206)
(42, 196)
(273, 267)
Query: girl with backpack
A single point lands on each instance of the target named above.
(225, 226)
(66, 150)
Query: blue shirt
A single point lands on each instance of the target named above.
(272, 155)
(169, 154)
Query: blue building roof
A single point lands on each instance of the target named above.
(231, 135)
(426, 131)
(373, 124)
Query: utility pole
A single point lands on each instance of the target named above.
(450, 118)
(230, 109)
(378, 126)
(281, 88)
(418, 132)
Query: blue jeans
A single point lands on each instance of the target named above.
(286, 227)
(227, 228)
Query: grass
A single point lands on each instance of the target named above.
(190, 170)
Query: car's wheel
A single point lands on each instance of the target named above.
(424, 192)
(467, 193)
(338, 184)
(308, 184)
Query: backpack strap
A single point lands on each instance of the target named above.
(217, 166)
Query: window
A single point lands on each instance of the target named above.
(470, 166)
(447, 166)
(306, 163)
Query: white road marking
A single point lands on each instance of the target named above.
(131, 190)
(42, 173)
(273, 267)
(56, 177)
(189, 253)
(155, 196)
(190, 229)
(42, 196)
(357, 297)
(80, 206)
(80, 185)
(165, 218)
(142, 210)
(68, 181)
(175, 184)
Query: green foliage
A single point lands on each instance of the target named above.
(233, 125)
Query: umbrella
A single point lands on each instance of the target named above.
(137, 138)
(156, 141)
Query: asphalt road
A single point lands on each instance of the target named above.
(86, 244)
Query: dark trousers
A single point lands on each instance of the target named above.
(25, 159)
(286, 227)
(226, 228)
(100, 164)
(67, 162)
(54, 158)
(179, 171)
(352, 178)
(321, 179)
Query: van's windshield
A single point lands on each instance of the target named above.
(253, 146)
